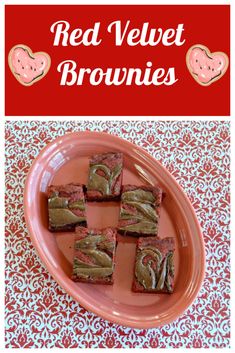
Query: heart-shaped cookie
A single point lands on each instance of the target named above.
(204, 66)
(26, 66)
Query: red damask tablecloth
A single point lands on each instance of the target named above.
(38, 313)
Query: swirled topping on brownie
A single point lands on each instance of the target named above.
(105, 176)
(154, 265)
(140, 210)
(66, 207)
(94, 255)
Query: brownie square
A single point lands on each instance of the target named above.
(154, 265)
(105, 176)
(94, 255)
(140, 210)
(66, 207)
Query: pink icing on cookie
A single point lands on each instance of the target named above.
(27, 67)
(204, 66)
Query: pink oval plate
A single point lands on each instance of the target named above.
(66, 160)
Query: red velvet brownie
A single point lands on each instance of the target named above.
(154, 265)
(140, 210)
(94, 255)
(66, 207)
(105, 176)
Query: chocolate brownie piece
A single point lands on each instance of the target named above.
(94, 255)
(66, 207)
(105, 176)
(154, 265)
(140, 210)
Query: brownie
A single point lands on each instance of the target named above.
(154, 265)
(105, 176)
(94, 255)
(66, 207)
(140, 210)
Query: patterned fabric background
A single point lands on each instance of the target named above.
(40, 314)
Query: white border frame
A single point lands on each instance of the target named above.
(180, 118)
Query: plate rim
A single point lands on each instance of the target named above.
(153, 323)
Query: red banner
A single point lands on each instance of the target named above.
(117, 60)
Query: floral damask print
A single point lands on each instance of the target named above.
(39, 314)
